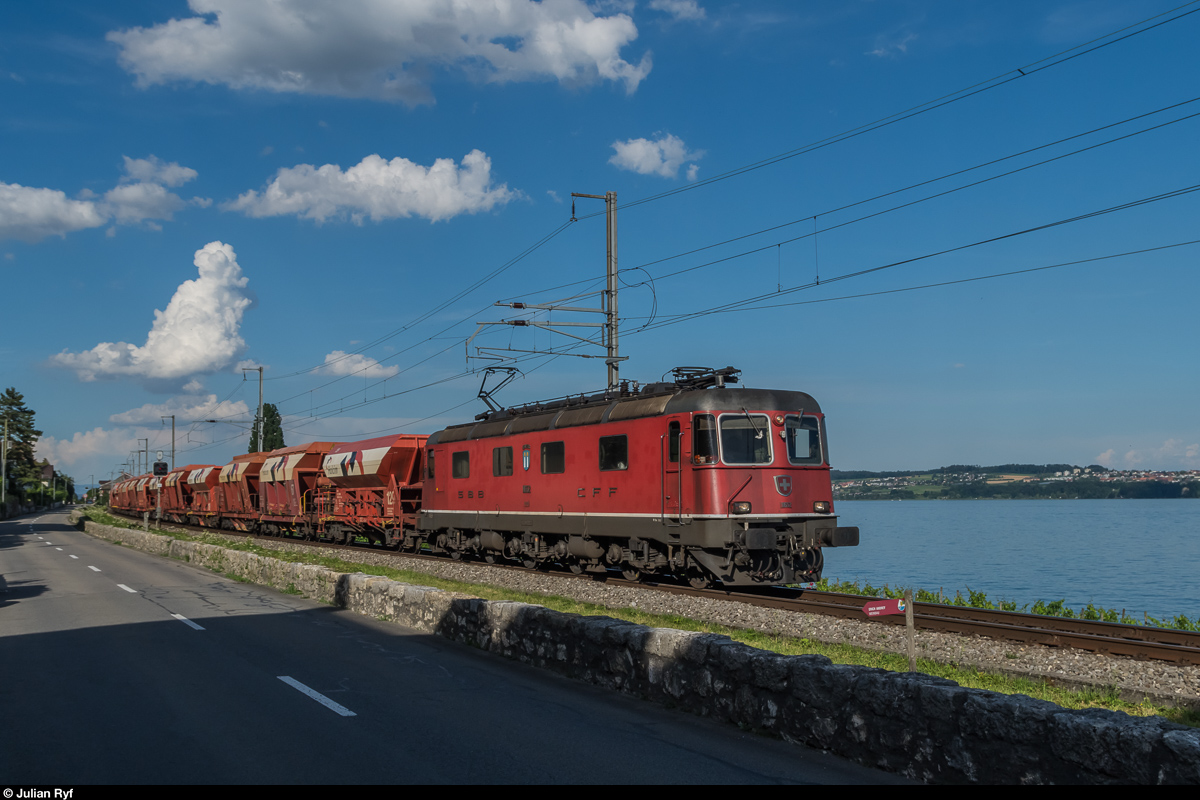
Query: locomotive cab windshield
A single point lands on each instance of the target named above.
(803, 437)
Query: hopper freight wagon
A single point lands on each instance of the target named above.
(287, 488)
(238, 490)
(202, 482)
(371, 488)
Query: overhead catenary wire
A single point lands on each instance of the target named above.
(1045, 63)
(440, 306)
(1023, 71)
(1097, 43)
(677, 318)
(813, 217)
(766, 306)
(554, 354)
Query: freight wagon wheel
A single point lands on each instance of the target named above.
(631, 573)
(490, 557)
(698, 578)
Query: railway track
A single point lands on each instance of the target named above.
(1134, 641)
(1111, 638)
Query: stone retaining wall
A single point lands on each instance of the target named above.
(927, 728)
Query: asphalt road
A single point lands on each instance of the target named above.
(118, 667)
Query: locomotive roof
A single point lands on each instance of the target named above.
(656, 399)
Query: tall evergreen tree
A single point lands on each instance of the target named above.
(272, 431)
(22, 436)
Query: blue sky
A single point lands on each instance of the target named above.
(188, 189)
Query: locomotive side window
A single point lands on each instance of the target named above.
(673, 448)
(502, 461)
(746, 438)
(429, 463)
(803, 435)
(614, 453)
(460, 464)
(704, 439)
(554, 458)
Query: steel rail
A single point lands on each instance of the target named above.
(1110, 638)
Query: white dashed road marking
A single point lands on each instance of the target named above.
(126, 588)
(315, 695)
(96, 569)
(74, 556)
(187, 621)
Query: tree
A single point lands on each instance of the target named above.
(22, 436)
(272, 438)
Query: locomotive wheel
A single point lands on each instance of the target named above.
(456, 555)
(576, 567)
(529, 563)
(490, 558)
(631, 573)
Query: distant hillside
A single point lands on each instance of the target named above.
(1008, 469)
(1013, 481)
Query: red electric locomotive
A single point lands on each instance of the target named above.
(690, 478)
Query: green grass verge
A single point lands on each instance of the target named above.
(838, 653)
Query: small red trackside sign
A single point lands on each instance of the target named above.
(879, 608)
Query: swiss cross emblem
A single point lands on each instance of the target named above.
(783, 484)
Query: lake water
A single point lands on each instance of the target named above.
(1139, 555)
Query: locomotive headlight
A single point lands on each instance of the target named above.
(740, 507)
(821, 507)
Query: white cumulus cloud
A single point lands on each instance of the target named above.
(1172, 454)
(380, 50)
(196, 334)
(152, 170)
(379, 189)
(679, 9)
(185, 409)
(663, 155)
(97, 446)
(341, 363)
(131, 203)
(33, 214)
